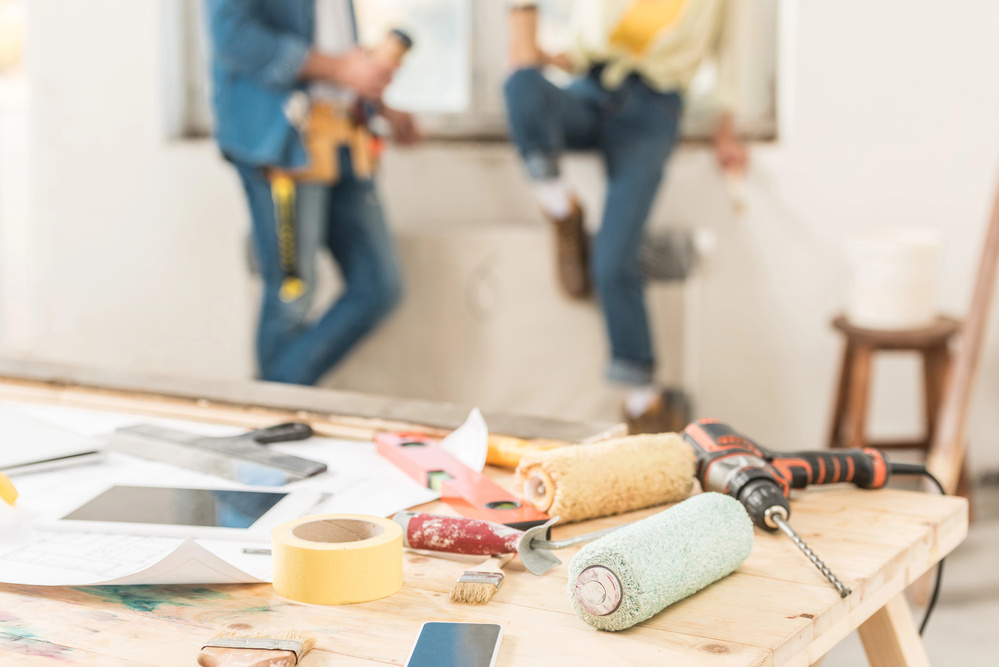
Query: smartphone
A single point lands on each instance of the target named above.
(456, 645)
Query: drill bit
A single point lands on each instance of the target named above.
(782, 523)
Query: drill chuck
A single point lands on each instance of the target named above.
(762, 499)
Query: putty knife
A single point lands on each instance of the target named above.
(241, 458)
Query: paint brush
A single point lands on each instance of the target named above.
(477, 586)
(263, 648)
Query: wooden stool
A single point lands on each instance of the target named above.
(850, 413)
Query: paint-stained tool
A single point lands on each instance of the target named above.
(241, 458)
(609, 477)
(263, 648)
(467, 491)
(473, 537)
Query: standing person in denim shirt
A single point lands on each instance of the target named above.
(271, 58)
(632, 59)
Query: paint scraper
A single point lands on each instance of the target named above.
(241, 458)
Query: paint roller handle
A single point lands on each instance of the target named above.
(289, 432)
(456, 535)
(866, 468)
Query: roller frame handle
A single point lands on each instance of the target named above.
(456, 535)
(866, 468)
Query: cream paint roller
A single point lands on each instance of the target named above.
(607, 478)
(636, 572)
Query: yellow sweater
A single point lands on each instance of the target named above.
(685, 34)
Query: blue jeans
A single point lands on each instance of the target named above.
(347, 219)
(634, 129)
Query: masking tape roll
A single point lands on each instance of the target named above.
(337, 559)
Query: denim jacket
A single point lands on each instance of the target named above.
(258, 47)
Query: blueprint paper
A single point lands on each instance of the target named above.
(358, 482)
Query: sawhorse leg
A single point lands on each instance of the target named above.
(890, 637)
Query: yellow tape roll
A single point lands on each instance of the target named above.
(337, 559)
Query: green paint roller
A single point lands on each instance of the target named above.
(636, 572)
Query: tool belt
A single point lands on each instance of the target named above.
(325, 130)
(327, 127)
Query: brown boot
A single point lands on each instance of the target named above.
(572, 253)
(669, 413)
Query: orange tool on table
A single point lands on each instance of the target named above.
(468, 492)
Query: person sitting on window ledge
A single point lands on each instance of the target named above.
(291, 94)
(633, 60)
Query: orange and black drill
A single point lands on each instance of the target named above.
(730, 463)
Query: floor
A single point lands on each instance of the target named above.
(964, 629)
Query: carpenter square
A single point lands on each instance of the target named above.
(241, 458)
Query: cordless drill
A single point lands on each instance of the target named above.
(730, 463)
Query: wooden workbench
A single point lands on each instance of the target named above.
(777, 609)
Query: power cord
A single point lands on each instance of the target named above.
(919, 469)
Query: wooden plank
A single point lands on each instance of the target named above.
(534, 630)
(27, 651)
(947, 452)
(924, 527)
(123, 637)
(890, 638)
(374, 631)
(790, 620)
(355, 415)
(874, 598)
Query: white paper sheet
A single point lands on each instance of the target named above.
(469, 443)
(92, 559)
(27, 440)
(358, 481)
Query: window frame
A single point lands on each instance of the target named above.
(188, 112)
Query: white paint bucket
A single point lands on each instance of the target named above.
(893, 282)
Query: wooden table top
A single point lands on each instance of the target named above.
(777, 609)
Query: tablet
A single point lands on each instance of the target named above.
(186, 512)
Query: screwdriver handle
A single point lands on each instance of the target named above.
(866, 468)
(287, 432)
(456, 535)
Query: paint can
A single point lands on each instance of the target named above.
(893, 278)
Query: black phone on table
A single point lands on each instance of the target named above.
(456, 645)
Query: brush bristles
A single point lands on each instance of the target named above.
(473, 593)
(307, 639)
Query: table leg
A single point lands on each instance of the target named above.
(842, 391)
(890, 638)
(856, 409)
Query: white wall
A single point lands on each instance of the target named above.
(15, 287)
(139, 242)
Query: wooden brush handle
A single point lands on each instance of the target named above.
(245, 657)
